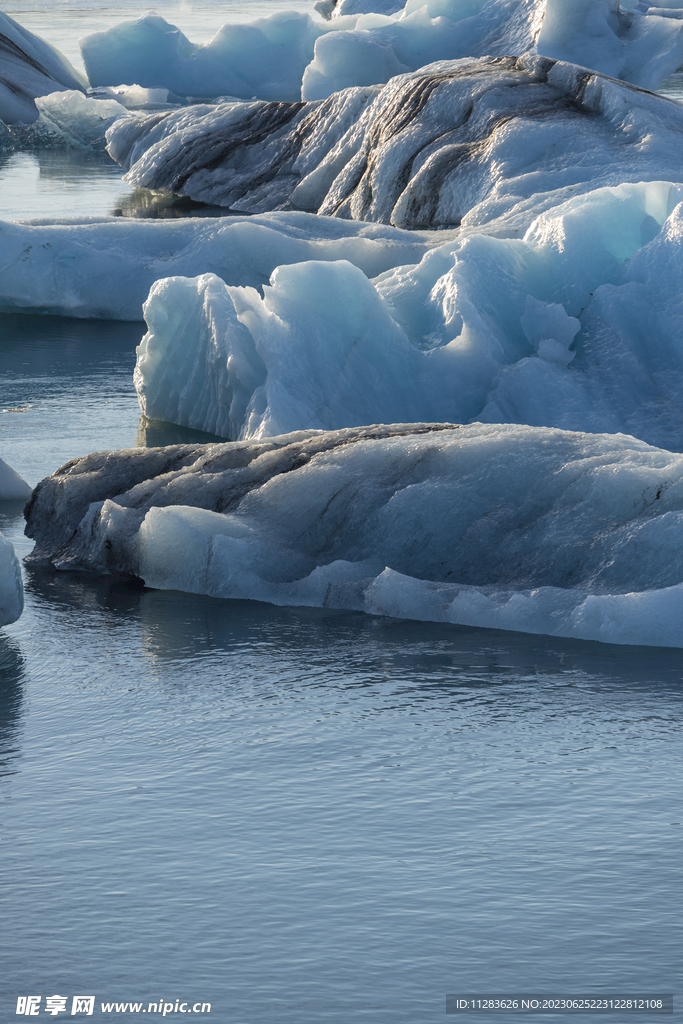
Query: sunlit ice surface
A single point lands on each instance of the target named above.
(64, 22)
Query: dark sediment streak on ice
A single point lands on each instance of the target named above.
(516, 527)
(491, 138)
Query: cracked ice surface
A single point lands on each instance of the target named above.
(514, 527)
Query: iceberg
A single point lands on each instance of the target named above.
(633, 42)
(31, 67)
(582, 330)
(289, 56)
(245, 156)
(265, 58)
(12, 486)
(106, 268)
(11, 586)
(492, 143)
(517, 527)
(78, 121)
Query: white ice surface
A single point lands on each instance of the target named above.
(289, 55)
(577, 325)
(490, 142)
(11, 586)
(12, 486)
(31, 67)
(515, 527)
(106, 268)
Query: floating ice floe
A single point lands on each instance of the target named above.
(576, 325)
(106, 268)
(31, 67)
(290, 56)
(488, 142)
(514, 527)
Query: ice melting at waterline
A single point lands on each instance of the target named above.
(459, 220)
(508, 526)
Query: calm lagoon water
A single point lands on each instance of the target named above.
(297, 815)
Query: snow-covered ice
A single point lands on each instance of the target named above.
(581, 330)
(31, 67)
(472, 142)
(517, 527)
(106, 268)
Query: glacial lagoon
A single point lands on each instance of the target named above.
(298, 814)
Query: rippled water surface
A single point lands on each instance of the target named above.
(307, 816)
(292, 814)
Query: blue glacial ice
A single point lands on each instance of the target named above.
(106, 268)
(11, 586)
(12, 488)
(266, 57)
(489, 142)
(31, 67)
(581, 331)
(290, 56)
(515, 527)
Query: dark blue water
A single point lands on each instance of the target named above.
(304, 816)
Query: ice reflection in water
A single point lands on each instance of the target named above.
(47, 183)
(312, 815)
